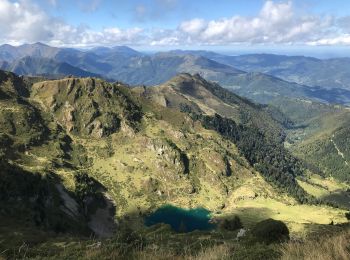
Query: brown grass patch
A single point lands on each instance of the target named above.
(324, 248)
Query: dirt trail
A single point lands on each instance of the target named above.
(339, 152)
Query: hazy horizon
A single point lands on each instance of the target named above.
(320, 52)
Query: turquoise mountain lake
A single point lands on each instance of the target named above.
(181, 220)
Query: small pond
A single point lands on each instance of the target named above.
(181, 220)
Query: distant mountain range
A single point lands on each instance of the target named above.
(38, 66)
(260, 77)
(326, 73)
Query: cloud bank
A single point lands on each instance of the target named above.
(23, 21)
(276, 23)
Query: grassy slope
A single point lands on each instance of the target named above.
(131, 163)
(323, 140)
(195, 94)
(140, 165)
(319, 136)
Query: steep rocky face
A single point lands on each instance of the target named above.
(87, 106)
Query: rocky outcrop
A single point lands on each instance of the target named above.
(168, 152)
(88, 106)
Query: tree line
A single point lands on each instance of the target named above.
(268, 157)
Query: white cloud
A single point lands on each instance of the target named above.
(84, 37)
(193, 27)
(276, 23)
(338, 40)
(168, 41)
(24, 21)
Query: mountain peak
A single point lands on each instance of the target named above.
(6, 45)
(188, 77)
(119, 50)
(40, 44)
(122, 47)
(125, 50)
(36, 45)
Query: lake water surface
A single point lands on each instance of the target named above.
(181, 220)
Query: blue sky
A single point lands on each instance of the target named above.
(169, 24)
(148, 13)
(169, 13)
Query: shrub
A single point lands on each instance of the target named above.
(130, 238)
(270, 231)
(347, 215)
(85, 186)
(231, 224)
